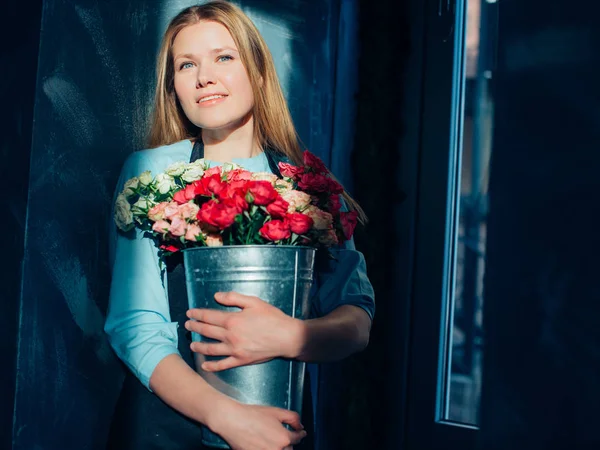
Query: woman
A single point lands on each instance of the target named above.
(218, 97)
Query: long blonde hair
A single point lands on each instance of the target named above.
(273, 125)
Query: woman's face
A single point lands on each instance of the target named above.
(211, 83)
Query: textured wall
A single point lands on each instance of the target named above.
(93, 94)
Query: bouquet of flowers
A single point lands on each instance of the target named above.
(192, 205)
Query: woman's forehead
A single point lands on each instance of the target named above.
(203, 38)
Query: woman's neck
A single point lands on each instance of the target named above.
(223, 145)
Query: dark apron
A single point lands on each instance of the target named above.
(142, 421)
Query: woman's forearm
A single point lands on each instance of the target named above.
(178, 385)
(340, 333)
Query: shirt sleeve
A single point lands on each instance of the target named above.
(138, 322)
(342, 280)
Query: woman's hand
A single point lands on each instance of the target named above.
(254, 427)
(257, 333)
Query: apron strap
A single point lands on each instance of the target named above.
(273, 157)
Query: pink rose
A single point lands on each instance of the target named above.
(214, 240)
(290, 171)
(161, 226)
(213, 171)
(265, 176)
(193, 231)
(188, 210)
(157, 212)
(172, 210)
(178, 227)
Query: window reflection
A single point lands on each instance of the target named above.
(465, 376)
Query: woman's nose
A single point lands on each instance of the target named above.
(205, 77)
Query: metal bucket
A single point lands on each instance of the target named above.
(280, 275)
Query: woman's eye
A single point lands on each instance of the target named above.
(224, 58)
(182, 66)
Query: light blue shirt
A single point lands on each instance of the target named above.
(138, 322)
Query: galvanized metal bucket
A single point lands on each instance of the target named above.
(280, 275)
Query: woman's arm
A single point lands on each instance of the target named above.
(242, 426)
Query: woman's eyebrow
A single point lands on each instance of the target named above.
(215, 50)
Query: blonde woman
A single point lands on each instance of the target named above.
(218, 97)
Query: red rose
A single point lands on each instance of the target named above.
(278, 208)
(220, 215)
(335, 187)
(291, 171)
(207, 186)
(299, 223)
(262, 192)
(185, 195)
(334, 204)
(314, 162)
(314, 182)
(275, 230)
(169, 248)
(348, 220)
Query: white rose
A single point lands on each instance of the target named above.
(192, 173)
(130, 185)
(123, 216)
(164, 183)
(176, 169)
(146, 178)
(141, 206)
(228, 166)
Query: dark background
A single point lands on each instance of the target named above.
(77, 83)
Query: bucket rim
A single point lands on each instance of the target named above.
(287, 247)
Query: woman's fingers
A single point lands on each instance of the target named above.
(211, 349)
(210, 316)
(296, 437)
(207, 330)
(291, 418)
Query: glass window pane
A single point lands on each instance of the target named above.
(466, 340)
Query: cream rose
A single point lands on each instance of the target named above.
(192, 173)
(265, 176)
(322, 220)
(142, 205)
(130, 185)
(145, 178)
(164, 183)
(123, 216)
(176, 169)
(297, 200)
(282, 186)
